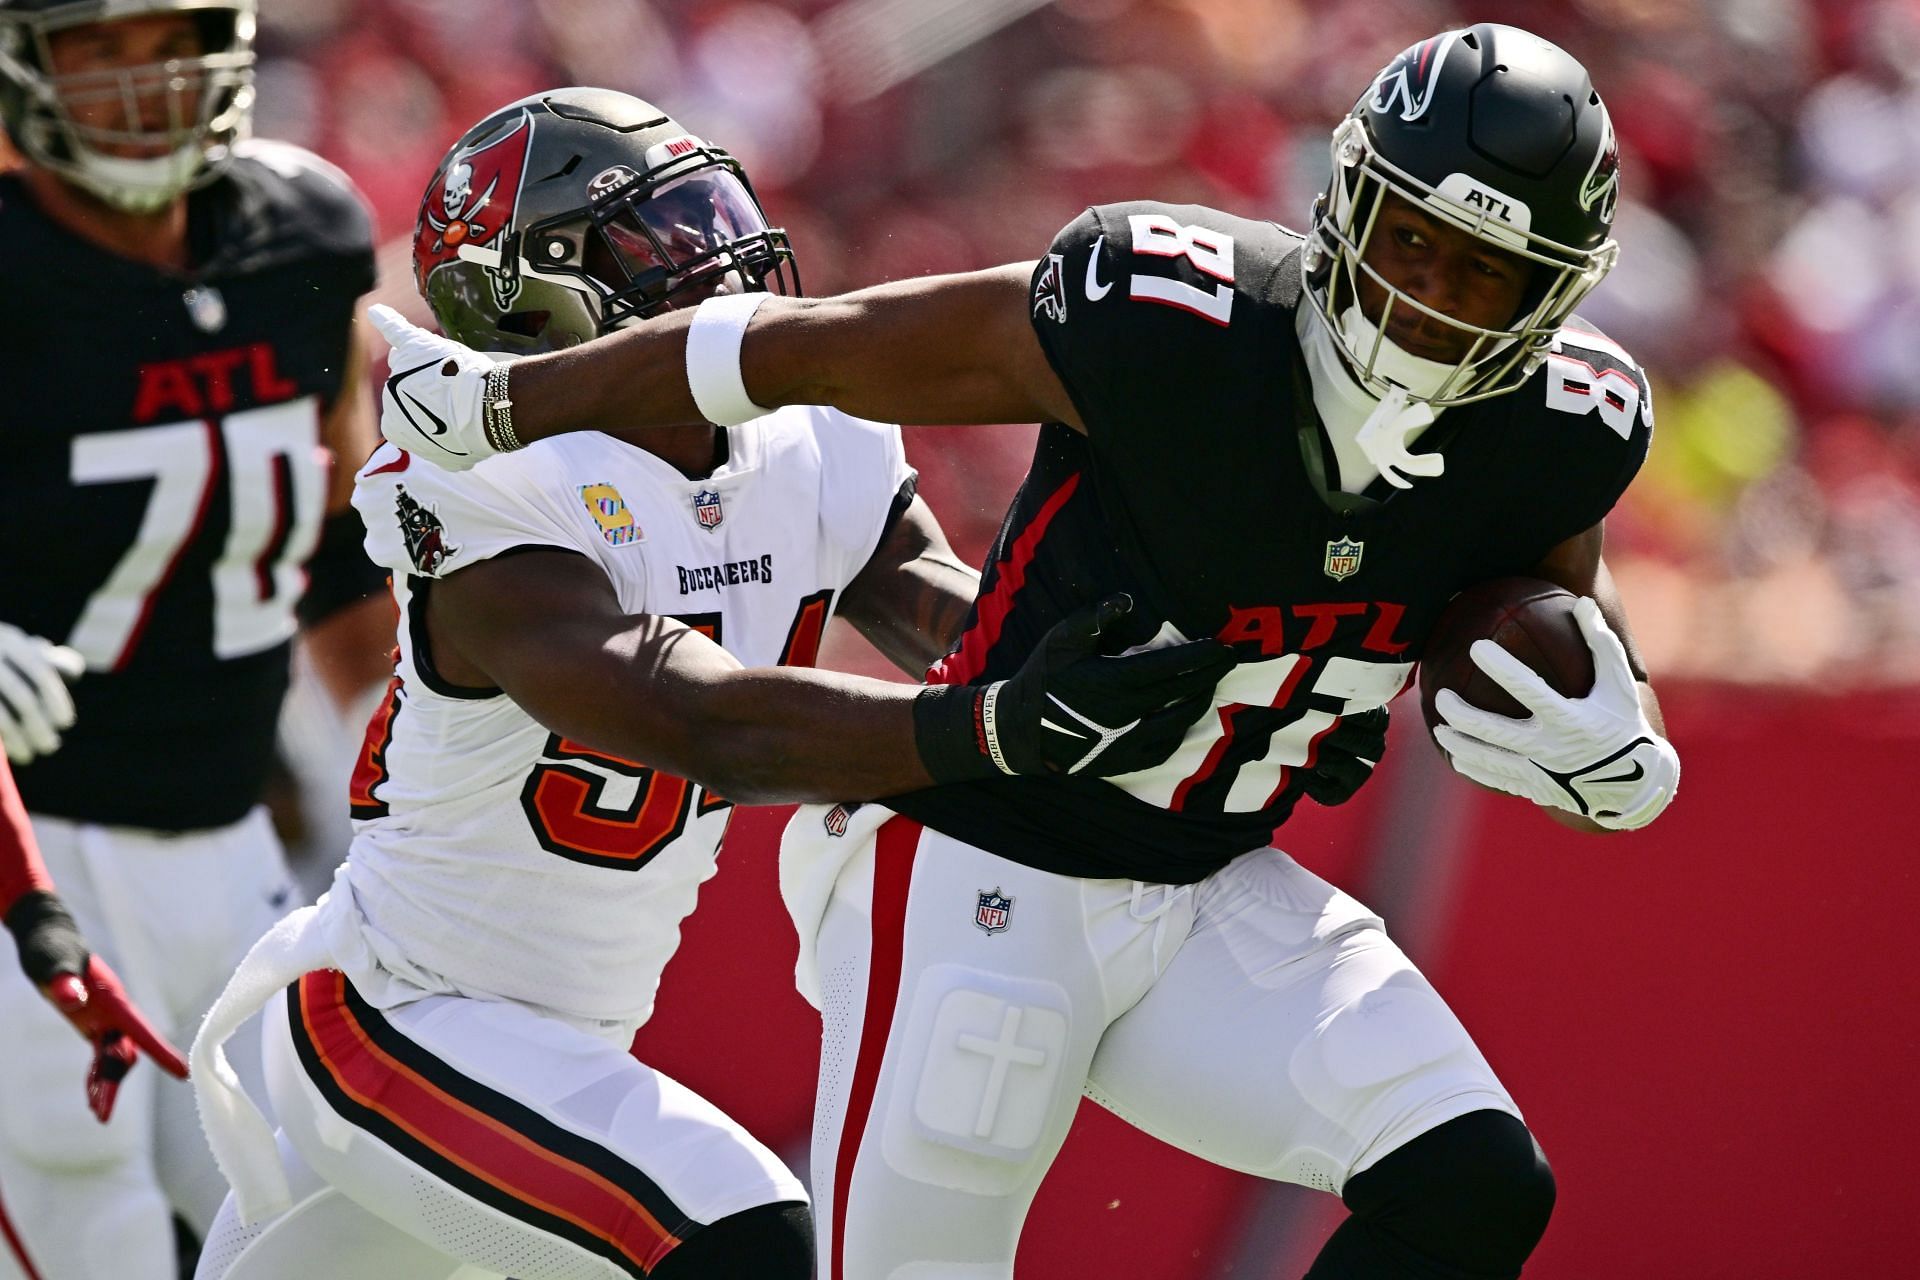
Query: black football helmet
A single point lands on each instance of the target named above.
(208, 99)
(1501, 134)
(568, 214)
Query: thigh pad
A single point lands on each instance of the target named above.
(980, 1080)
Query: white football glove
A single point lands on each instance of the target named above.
(1596, 756)
(431, 406)
(34, 703)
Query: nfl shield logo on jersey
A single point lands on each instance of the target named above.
(993, 911)
(837, 818)
(1343, 558)
(206, 307)
(706, 509)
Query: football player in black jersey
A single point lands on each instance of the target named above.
(168, 518)
(1303, 446)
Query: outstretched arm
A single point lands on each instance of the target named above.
(546, 627)
(942, 349)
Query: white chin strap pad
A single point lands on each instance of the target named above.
(1421, 378)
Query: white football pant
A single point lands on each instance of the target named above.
(1260, 1019)
(173, 914)
(452, 1133)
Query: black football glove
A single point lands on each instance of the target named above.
(1070, 708)
(1345, 758)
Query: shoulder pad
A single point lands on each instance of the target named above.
(427, 522)
(309, 198)
(1588, 372)
(1185, 257)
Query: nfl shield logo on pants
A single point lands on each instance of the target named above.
(706, 509)
(993, 911)
(1343, 558)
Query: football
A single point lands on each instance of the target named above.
(1529, 618)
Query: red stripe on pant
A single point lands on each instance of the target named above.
(484, 1147)
(14, 1243)
(894, 848)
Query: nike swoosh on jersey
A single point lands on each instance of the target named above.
(1096, 290)
(393, 389)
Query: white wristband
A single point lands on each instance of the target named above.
(990, 726)
(713, 358)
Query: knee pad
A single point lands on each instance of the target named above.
(774, 1241)
(978, 1081)
(1473, 1194)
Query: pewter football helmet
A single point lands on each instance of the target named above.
(568, 214)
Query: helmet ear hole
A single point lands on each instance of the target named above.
(525, 324)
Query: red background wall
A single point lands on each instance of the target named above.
(1713, 1025)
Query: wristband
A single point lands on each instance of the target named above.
(713, 359)
(950, 731)
(496, 412)
(990, 726)
(49, 941)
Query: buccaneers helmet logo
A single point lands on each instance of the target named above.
(472, 201)
(1411, 78)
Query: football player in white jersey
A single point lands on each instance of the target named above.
(574, 708)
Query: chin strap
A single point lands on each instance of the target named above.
(1383, 438)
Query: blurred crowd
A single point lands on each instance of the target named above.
(1769, 278)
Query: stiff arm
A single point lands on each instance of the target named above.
(955, 349)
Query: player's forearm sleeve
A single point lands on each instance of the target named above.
(21, 871)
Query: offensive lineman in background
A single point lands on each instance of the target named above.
(1302, 446)
(545, 788)
(169, 517)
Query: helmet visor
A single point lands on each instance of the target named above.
(682, 238)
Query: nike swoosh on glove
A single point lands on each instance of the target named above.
(432, 403)
(1074, 707)
(1596, 756)
(34, 703)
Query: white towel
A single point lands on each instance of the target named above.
(239, 1134)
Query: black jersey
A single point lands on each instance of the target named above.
(164, 483)
(1200, 487)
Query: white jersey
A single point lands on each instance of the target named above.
(493, 858)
